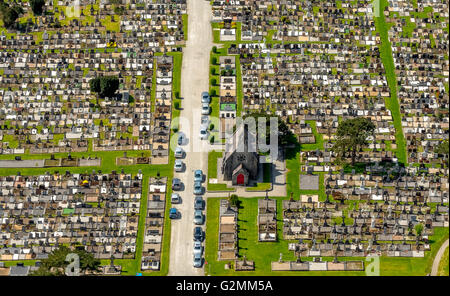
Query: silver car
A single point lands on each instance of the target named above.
(203, 133)
(179, 165)
(205, 109)
(199, 218)
(179, 152)
(198, 248)
(198, 260)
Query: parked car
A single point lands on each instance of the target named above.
(198, 189)
(198, 248)
(198, 176)
(173, 213)
(199, 218)
(176, 184)
(198, 234)
(199, 204)
(179, 152)
(198, 260)
(203, 133)
(205, 97)
(179, 165)
(180, 139)
(175, 198)
(205, 121)
(205, 109)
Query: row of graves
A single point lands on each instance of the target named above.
(98, 212)
(228, 231)
(295, 21)
(323, 80)
(163, 108)
(154, 224)
(68, 161)
(228, 91)
(419, 38)
(46, 105)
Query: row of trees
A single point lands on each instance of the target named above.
(12, 11)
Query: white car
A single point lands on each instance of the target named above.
(205, 109)
(178, 165)
(198, 248)
(179, 152)
(203, 133)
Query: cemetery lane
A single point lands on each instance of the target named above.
(195, 80)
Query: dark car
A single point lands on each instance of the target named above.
(176, 184)
(199, 204)
(180, 139)
(198, 234)
(173, 213)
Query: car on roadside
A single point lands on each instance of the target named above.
(179, 165)
(173, 213)
(205, 97)
(205, 109)
(180, 139)
(198, 248)
(175, 198)
(198, 176)
(176, 184)
(198, 234)
(198, 189)
(198, 261)
(199, 218)
(179, 152)
(199, 203)
(205, 121)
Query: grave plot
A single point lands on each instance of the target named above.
(97, 211)
(154, 224)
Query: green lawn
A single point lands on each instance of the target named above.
(443, 265)
(391, 102)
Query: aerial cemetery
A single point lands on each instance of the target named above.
(48, 63)
(319, 65)
(98, 211)
(80, 88)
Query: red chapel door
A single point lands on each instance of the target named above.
(240, 179)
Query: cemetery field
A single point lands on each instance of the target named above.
(444, 264)
(263, 253)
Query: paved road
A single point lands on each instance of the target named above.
(195, 80)
(437, 259)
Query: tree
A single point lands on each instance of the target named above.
(10, 13)
(56, 262)
(109, 85)
(37, 6)
(419, 229)
(352, 135)
(214, 49)
(233, 200)
(105, 86)
(285, 135)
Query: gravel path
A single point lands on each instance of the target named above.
(437, 259)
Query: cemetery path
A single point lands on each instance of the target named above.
(194, 81)
(437, 259)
